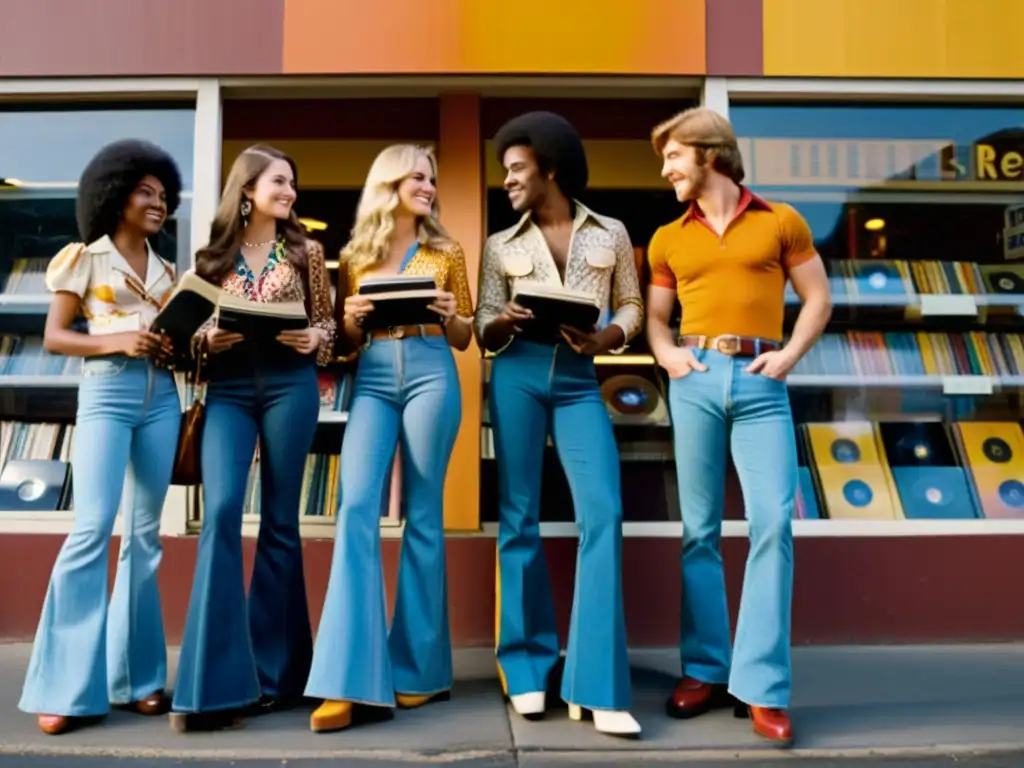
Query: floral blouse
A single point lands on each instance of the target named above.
(114, 298)
(279, 280)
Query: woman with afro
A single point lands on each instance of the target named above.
(87, 655)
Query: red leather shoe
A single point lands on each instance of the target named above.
(52, 725)
(769, 722)
(692, 698)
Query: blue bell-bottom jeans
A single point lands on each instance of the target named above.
(406, 393)
(87, 654)
(727, 409)
(235, 650)
(536, 388)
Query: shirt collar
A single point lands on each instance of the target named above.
(582, 215)
(748, 201)
(156, 267)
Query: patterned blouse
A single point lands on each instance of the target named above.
(114, 298)
(600, 262)
(447, 267)
(279, 280)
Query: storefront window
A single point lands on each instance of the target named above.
(918, 213)
(43, 150)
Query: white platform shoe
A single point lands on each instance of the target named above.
(529, 705)
(612, 722)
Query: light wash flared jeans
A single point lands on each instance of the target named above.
(88, 655)
(406, 393)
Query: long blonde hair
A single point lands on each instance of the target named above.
(216, 260)
(375, 217)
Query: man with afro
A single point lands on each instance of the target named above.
(542, 377)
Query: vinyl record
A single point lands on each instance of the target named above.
(857, 493)
(912, 449)
(33, 484)
(933, 491)
(630, 395)
(997, 450)
(1012, 493)
(845, 451)
(1006, 282)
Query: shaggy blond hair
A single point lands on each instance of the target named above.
(708, 132)
(375, 216)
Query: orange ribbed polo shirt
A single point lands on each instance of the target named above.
(733, 283)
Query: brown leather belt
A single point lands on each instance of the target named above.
(396, 332)
(743, 346)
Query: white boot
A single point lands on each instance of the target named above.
(616, 722)
(529, 705)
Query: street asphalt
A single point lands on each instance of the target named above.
(528, 760)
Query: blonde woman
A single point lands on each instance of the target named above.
(406, 394)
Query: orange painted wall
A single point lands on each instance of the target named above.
(460, 193)
(489, 36)
(893, 38)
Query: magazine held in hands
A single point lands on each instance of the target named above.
(195, 300)
(554, 306)
(400, 300)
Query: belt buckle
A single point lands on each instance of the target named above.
(728, 345)
(396, 332)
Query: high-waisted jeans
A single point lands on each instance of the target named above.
(88, 655)
(234, 650)
(535, 388)
(726, 408)
(407, 393)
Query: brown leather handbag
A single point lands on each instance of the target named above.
(187, 466)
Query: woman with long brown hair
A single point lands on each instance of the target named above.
(239, 656)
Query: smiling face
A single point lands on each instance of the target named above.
(274, 193)
(684, 173)
(146, 208)
(416, 192)
(525, 184)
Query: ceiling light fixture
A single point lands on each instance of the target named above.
(313, 225)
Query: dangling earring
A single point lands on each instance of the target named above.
(245, 210)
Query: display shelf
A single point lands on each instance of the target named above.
(18, 304)
(322, 527)
(933, 305)
(42, 382)
(801, 528)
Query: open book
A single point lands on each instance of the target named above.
(553, 306)
(400, 300)
(195, 300)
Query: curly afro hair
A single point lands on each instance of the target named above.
(110, 178)
(555, 143)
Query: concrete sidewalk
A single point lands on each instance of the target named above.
(886, 705)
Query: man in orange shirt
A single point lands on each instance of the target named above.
(727, 260)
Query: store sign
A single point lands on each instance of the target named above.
(876, 162)
(999, 162)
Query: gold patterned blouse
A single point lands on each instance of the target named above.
(114, 298)
(446, 265)
(600, 262)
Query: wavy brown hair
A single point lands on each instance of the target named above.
(215, 261)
